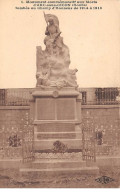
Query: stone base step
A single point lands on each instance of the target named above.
(55, 163)
(60, 171)
(57, 135)
(48, 144)
(56, 127)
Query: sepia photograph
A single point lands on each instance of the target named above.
(60, 94)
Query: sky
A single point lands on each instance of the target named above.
(93, 38)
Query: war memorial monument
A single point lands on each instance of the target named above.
(56, 112)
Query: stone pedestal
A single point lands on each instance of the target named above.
(57, 116)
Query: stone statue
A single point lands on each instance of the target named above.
(53, 41)
(53, 63)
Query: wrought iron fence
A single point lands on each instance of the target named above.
(2, 97)
(90, 96)
(15, 97)
(107, 137)
(100, 96)
(88, 140)
(106, 96)
(16, 135)
(11, 135)
(84, 97)
(28, 141)
(102, 138)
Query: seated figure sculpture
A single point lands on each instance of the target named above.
(53, 62)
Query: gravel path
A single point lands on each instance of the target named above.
(10, 178)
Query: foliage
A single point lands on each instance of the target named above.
(59, 147)
(14, 141)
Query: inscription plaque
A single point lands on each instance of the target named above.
(65, 109)
(45, 109)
